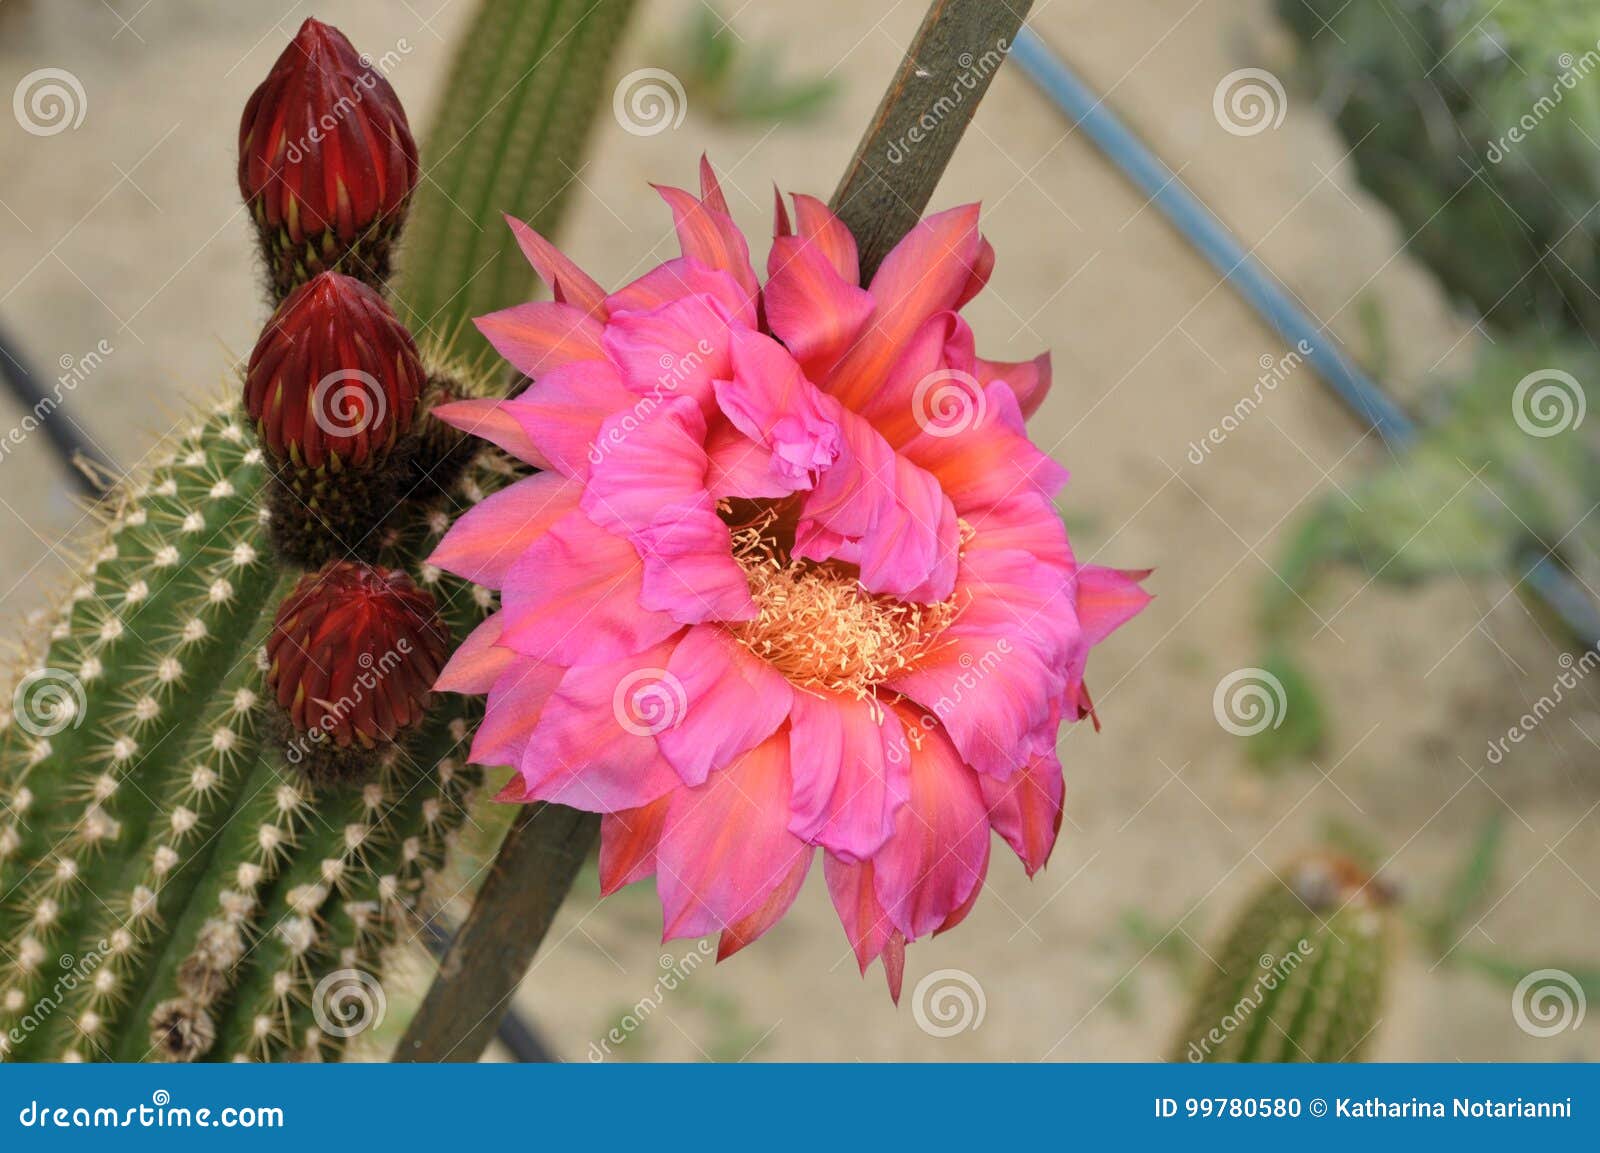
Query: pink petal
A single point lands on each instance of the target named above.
(628, 841)
(573, 598)
(676, 349)
(768, 913)
(575, 285)
(926, 273)
(855, 899)
(563, 412)
(490, 419)
(827, 233)
(1028, 380)
(734, 701)
(682, 277)
(726, 852)
(711, 237)
(650, 487)
(711, 191)
(990, 459)
(738, 466)
(488, 538)
(689, 571)
(879, 510)
(1026, 810)
(851, 773)
(541, 336)
(982, 267)
(810, 307)
(478, 662)
(646, 464)
(940, 848)
(930, 384)
(516, 701)
(990, 691)
(1108, 598)
(774, 405)
(594, 747)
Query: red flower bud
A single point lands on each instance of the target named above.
(326, 161)
(353, 654)
(334, 378)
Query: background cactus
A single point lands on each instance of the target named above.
(1300, 975)
(176, 885)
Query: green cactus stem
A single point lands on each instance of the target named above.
(176, 888)
(1300, 975)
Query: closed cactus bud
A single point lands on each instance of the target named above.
(334, 378)
(352, 656)
(326, 162)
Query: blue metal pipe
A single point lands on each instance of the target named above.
(1251, 279)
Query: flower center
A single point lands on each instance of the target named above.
(818, 626)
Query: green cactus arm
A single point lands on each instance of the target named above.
(1299, 976)
(523, 90)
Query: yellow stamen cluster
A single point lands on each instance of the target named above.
(818, 626)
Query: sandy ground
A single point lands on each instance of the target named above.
(126, 230)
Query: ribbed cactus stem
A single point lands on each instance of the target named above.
(1300, 975)
(178, 888)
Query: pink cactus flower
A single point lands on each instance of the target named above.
(790, 578)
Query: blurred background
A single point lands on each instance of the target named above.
(1421, 181)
